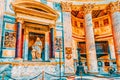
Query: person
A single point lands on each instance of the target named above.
(37, 49)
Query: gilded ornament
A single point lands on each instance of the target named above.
(66, 6)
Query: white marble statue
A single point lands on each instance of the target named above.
(37, 49)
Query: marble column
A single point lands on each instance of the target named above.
(19, 39)
(115, 16)
(52, 41)
(69, 64)
(46, 46)
(90, 40)
(26, 37)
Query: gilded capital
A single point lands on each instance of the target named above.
(66, 6)
(87, 8)
(21, 20)
(113, 7)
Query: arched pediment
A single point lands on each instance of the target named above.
(34, 9)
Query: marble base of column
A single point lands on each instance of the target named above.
(18, 59)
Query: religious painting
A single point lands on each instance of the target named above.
(68, 51)
(96, 24)
(106, 22)
(36, 46)
(58, 43)
(10, 40)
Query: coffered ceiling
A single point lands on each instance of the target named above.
(95, 13)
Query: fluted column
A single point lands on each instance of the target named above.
(26, 37)
(90, 41)
(115, 16)
(19, 39)
(66, 8)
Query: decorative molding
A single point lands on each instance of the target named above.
(31, 63)
(66, 6)
(35, 19)
(87, 8)
(113, 7)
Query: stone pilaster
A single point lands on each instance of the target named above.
(18, 51)
(115, 16)
(69, 65)
(90, 41)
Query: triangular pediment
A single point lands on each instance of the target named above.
(34, 8)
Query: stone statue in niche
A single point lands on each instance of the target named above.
(37, 49)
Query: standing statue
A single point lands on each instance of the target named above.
(37, 49)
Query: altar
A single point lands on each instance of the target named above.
(35, 32)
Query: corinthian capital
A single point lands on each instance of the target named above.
(66, 6)
(113, 7)
(87, 8)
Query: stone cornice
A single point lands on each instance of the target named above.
(66, 6)
(35, 19)
(113, 7)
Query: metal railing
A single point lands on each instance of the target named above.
(37, 76)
